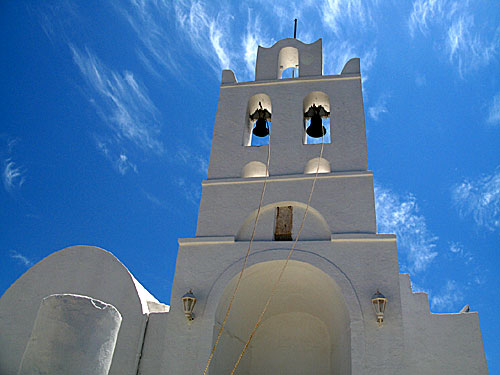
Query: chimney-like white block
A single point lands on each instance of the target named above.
(73, 335)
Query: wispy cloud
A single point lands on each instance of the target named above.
(25, 261)
(423, 13)
(480, 199)
(466, 48)
(213, 31)
(457, 249)
(124, 105)
(253, 37)
(400, 215)
(147, 20)
(379, 108)
(192, 159)
(340, 53)
(192, 192)
(123, 164)
(448, 298)
(494, 111)
(337, 13)
(155, 200)
(13, 177)
(119, 160)
(209, 34)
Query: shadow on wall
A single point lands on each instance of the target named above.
(297, 336)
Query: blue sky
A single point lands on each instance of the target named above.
(108, 109)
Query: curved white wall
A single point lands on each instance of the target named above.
(72, 335)
(306, 329)
(315, 226)
(83, 270)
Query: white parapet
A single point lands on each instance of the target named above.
(73, 335)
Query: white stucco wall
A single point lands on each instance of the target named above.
(72, 334)
(344, 200)
(439, 343)
(83, 270)
(346, 152)
(209, 264)
(310, 58)
(307, 320)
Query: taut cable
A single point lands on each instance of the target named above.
(244, 262)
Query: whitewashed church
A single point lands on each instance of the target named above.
(286, 274)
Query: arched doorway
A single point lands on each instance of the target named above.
(306, 329)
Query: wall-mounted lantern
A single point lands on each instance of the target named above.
(379, 301)
(189, 300)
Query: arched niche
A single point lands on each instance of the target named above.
(254, 169)
(317, 164)
(315, 225)
(288, 58)
(317, 98)
(255, 103)
(306, 329)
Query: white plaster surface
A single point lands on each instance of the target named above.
(358, 266)
(289, 154)
(307, 322)
(72, 335)
(270, 60)
(344, 200)
(439, 343)
(83, 270)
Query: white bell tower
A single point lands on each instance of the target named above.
(286, 273)
(321, 318)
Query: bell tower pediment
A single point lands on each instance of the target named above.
(289, 53)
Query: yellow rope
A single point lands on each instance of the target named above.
(275, 286)
(245, 261)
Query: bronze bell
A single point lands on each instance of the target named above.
(316, 128)
(261, 128)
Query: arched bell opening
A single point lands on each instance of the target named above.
(258, 121)
(288, 63)
(317, 118)
(269, 225)
(306, 329)
(320, 165)
(254, 169)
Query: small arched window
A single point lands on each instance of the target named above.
(317, 127)
(288, 63)
(258, 121)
